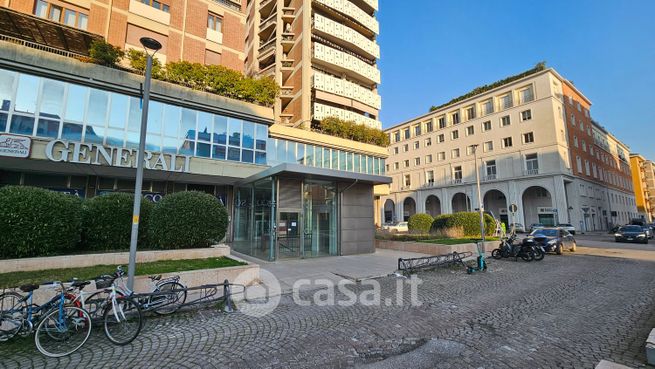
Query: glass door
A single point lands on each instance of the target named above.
(288, 235)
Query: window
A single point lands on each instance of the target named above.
(157, 4)
(575, 141)
(528, 138)
(417, 130)
(406, 163)
(454, 134)
(441, 156)
(428, 159)
(572, 120)
(416, 145)
(55, 13)
(407, 180)
(429, 177)
(506, 101)
(571, 100)
(584, 146)
(454, 117)
(490, 167)
(59, 14)
(396, 165)
(578, 105)
(526, 95)
(396, 136)
(591, 150)
(429, 126)
(405, 147)
(470, 130)
(578, 163)
(488, 146)
(582, 126)
(507, 142)
(505, 121)
(470, 112)
(470, 150)
(215, 22)
(441, 138)
(457, 174)
(395, 150)
(387, 167)
(587, 168)
(526, 115)
(428, 142)
(486, 126)
(532, 164)
(454, 153)
(417, 161)
(407, 133)
(487, 106)
(442, 122)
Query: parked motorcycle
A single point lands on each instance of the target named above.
(508, 248)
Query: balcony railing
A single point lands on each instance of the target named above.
(346, 61)
(489, 177)
(531, 172)
(323, 111)
(228, 4)
(345, 88)
(347, 34)
(456, 181)
(33, 45)
(353, 11)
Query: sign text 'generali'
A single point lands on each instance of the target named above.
(89, 153)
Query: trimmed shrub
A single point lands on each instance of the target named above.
(138, 60)
(104, 53)
(469, 222)
(334, 126)
(107, 223)
(420, 223)
(38, 222)
(187, 219)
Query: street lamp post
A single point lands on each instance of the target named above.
(154, 45)
(477, 183)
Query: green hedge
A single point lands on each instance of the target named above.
(187, 219)
(334, 126)
(107, 222)
(468, 221)
(104, 53)
(36, 222)
(420, 223)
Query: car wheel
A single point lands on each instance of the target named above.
(573, 246)
(558, 249)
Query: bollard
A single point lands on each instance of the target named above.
(227, 295)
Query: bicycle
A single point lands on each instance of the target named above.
(61, 329)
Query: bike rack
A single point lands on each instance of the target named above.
(412, 265)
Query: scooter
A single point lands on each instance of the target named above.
(481, 264)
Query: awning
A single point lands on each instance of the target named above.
(27, 27)
(299, 171)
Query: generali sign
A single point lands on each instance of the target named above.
(94, 154)
(15, 146)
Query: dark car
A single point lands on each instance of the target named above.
(631, 233)
(551, 239)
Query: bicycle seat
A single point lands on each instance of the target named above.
(155, 277)
(29, 287)
(80, 284)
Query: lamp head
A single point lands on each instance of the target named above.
(150, 44)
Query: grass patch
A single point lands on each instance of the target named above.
(455, 241)
(86, 273)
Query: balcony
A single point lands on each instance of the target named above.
(330, 29)
(352, 11)
(531, 172)
(345, 88)
(456, 181)
(267, 27)
(286, 93)
(323, 111)
(266, 6)
(287, 42)
(489, 177)
(288, 14)
(286, 68)
(234, 5)
(346, 63)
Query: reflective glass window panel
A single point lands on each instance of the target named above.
(171, 120)
(218, 152)
(247, 156)
(220, 130)
(187, 148)
(72, 132)
(261, 135)
(291, 152)
(381, 166)
(188, 125)
(28, 86)
(115, 137)
(349, 161)
(3, 122)
(155, 113)
(358, 162)
(234, 132)
(118, 111)
(318, 156)
(370, 165)
(94, 134)
(22, 125)
(82, 21)
(342, 160)
(271, 153)
(169, 145)
(205, 125)
(203, 150)
(52, 98)
(281, 150)
(248, 135)
(309, 155)
(98, 103)
(132, 140)
(41, 9)
(326, 158)
(153, 142)
(234, 154)
(134, 115)
(75, 103)
(335, 159)
(300, 153)
(47, 128)
(69, 17)
(55, 13)
(260, 158)
(7, 79)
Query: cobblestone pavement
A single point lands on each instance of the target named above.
(567, 311)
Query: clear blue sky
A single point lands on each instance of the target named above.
(434, 50)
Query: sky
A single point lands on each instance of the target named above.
(435, 50)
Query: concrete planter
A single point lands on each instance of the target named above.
(112, 258)
(431, 248)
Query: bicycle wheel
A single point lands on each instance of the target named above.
(123, 320)
(12, 310)
(496, 254)
(62, 331)
(169, 302)
(97, 302)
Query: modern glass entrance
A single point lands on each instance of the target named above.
(320, 225)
